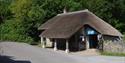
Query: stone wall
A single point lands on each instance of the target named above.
(48, 42)
(116, 46)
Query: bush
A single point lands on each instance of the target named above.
(13, 31)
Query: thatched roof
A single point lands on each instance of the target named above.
(65, 25)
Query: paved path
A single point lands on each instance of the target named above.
(23, 53)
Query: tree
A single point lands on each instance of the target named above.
(21, 18)
(4, 10)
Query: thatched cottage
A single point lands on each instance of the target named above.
(73, 31)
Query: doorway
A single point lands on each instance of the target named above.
(93, 41)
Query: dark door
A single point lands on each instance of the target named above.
(93, 42)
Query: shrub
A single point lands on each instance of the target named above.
(13, 31)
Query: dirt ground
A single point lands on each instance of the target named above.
(13, 52)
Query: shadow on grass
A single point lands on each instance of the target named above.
(8, 59)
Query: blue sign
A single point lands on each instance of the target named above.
(90, 31)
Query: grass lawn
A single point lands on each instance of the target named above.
(112, 54)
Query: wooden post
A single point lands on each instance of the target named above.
(43, 43)
(67, 47)
(87, 42)
(100, 43)
(55, 45)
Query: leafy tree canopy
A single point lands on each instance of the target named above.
(19, 19)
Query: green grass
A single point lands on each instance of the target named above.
(112, 54)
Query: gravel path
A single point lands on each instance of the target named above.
(12, 52)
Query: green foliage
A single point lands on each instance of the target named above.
(124, 37)
(4, 10)
(14, 32)
(21, 18)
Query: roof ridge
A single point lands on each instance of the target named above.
(74, 12)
